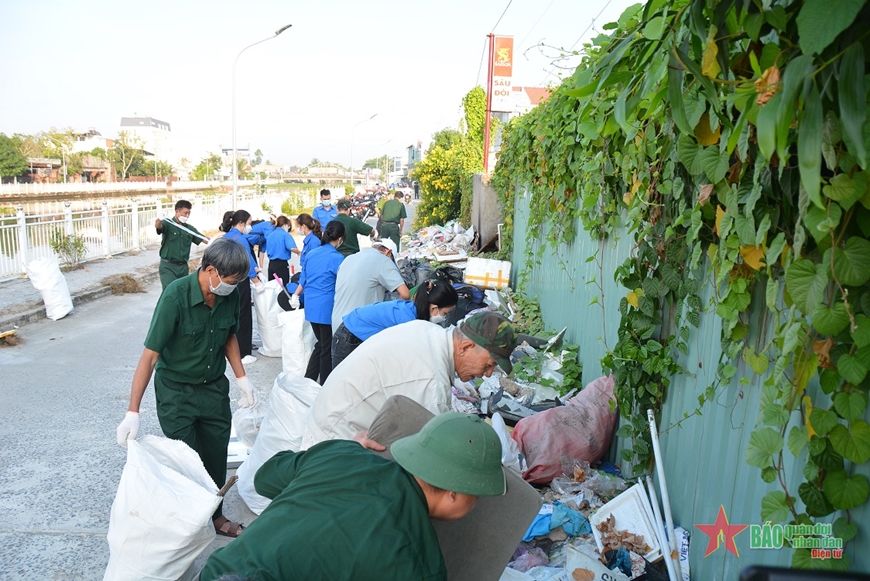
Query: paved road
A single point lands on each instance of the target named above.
(62, 393)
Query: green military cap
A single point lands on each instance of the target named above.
(456, 452)
(494, 333)
(344, 204)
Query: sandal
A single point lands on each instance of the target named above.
(227, 527)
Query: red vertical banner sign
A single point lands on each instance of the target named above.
(498, 84)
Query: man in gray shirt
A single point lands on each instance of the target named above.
(365, 278)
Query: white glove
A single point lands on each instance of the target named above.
(262, 276)
(247, 395)
(259, 287)
(161, 215)
(294, 301)
(128, 428)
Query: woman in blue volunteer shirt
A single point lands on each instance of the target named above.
(237, 226)
(431, 303)
(262, 228)
(279, 245)
(318, 282)
(311, 230)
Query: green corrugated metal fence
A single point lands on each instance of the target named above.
(703, 456)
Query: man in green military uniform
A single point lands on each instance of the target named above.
(192, 335)
(340, 511)
(175, 243)
(393, 217)
(352, 227)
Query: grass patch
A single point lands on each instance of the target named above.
(122, 285)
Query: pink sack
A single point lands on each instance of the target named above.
(580, 430)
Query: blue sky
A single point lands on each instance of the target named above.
(90, 62)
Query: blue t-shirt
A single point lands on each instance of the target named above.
(370, 319)
(324, 215)
(318, 283)
(309, 243)
(245, 240)
(279, 243)
(262, 230)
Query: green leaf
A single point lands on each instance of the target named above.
(823, 421)
(841, 188)
(766, 127)
(793, 78)
(851, 368)
(850, 406)
(852, 264)
(852, 443)
(653, 28)
(817, 504)
(752, 24)
(771, 293)
(758, 362)
(816, 446)
(775, 415)
(689, 153)
(829, 380)
(675, 95)
(768, 474)
(810, 471)
(830, 321)
(774, 251)
(806, 282)
(861, 334)
(820, 224)
(715, 164)
(763, 444)
(803, 559)
(846, 493)
(831, 136)
(844, 530)
(797, 439)
(745, 229)
(821, 21)
(810, 146)
(774, 507)
(853, 108)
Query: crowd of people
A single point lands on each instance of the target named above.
(363, 315)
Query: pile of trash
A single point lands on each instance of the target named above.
(448, 243)
(594, 525)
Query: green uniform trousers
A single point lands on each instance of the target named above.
(170, 271)
(391, 231)
(198, 415)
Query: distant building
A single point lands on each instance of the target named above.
(155, 135)
(90, 140)
(526, 98)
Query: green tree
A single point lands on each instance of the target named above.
(12, 161)
(126, 153)
(99, 153)
(258, 157)
(474, 104)
(207, 168)
(151, 168)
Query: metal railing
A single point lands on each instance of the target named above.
(19, 189)
(113, 229)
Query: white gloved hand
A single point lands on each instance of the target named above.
(259, 287)
(247, 395)
(161, 215)
(128, 428)
(262, 276)
(294, 301)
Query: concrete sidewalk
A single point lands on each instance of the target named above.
(20, 303)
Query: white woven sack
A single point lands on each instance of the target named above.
(46, 277)
(161, 516)
(297, 341)
(267, 309)
(292, 396)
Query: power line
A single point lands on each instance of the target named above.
(480, 66)
(502, 15)
(520, 44)
(590, 25)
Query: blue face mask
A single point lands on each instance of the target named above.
(326, 203)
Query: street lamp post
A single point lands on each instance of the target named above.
(351, 145)
(235, 168)
(62, 156)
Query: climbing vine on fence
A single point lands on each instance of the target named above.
(730, 139)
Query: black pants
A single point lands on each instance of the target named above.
(343, 344)
(320, 364)
(281, 268)
(246, 331)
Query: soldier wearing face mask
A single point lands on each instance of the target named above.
(191, 338)
(432, 302)
(326, 211)
(176, 238)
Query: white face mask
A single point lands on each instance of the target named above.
(437, 319)
(182, 219)
(223, 288)
(247, 229)
(326, 203)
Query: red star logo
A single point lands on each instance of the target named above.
(721, 530)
